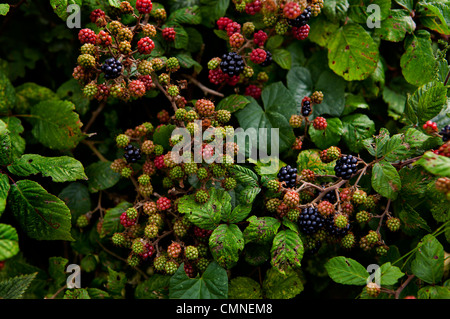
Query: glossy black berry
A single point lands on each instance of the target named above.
(132, 154)
(333, 230)
(346, 166)
(232, 63)
(330, 196)
(268, 60)
(445, 132)
(111, 68)
(288, 174)
(306, 108)
(302, 19)
(310, 220)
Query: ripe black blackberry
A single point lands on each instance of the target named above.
(268, 60)
(302, 19)
(310, 220)
(306, 106)
(346, 166)
(112, 68)
(330, 197)
(132, 154)
(232, 63)
(445, 132)
(288, 174)
(333, 230)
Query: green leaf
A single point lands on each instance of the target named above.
(72, 91)
(15, 287)
(155, 287)
(435, 164)
(385, 180)
(390, 274)
(213, 284)
(162, 135)
(336, 10)
(428, 264)
(30, 94)
(60, 7)
(328, 137)
(244, 288)
(358, 9)
(114, 3)
(189, 15)
(4, 190)
(111, 220)
(348, 58)
(287, 251)
(7, 93)
(310, 159)
(57, 270)
(434, 292)
(9, 241)
(186, 61)
(397, 148)
(346, 271)
(41, 215)
(116, 282)
(275, 42)
(101, 176)
(261, 230)
(212, 10)
(375, 146)
(407, 4)
(77, 198)
(357, 127)
(15, 128)
(418, 61)
(282, 286)
(209, 214)
(5, 145)
(282, 57)
(4, 9)
(396, 25)
(435, 15)
(56, 125)
(225, 243)
(60, 169)
(244, 175)
(426, 102)
(322, 30)
(411, 220)
(232, 103)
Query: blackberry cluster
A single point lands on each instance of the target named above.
(333, 230)
(445, 132)
(330, 197)
(132, 154)
(302, 19)
(288, 174)
(112, 68)
(306, 107)
(232, 63)
(268, 60)
(310, 220)
(346, 166)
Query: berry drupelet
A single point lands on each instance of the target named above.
(112, 68)
(268, 60)
(306, 106)
(346, 166)
(302, 19)
(288, 174)
(445, 132)
(310, 220)
(132, 154)
(232, 63)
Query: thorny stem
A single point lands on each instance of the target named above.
(90, 144)
(400, 289)
(94, 116)
(386, 211)
(205, 89)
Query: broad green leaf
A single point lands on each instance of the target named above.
(282, 57)
(14, 288)
(4, 190)
(5, 145)
(359, 13)
(261, 230)
(300, 83)
(30, 93)
(396, 25)
(162, 135)
(60, 169)
(9, 241)
(395, 95)
(244, 175)
(186, 61)
(390, 274)
(77, 198)
(78, 294)
(418, 61)
(225, 243)
(357, 127)
(269, 166)
(407, 4)
(435, 164)
(60, 7)
(95, 293)
(155, 287)
(375, 146)
(256, 254)
(209, 214)
(310, 159)
(213, 284)
(397, 148)
(426, 102)
(411, 220)
(434, 292)
(111, 220)
(335, 10)
(385, 180)
(428, 264)
(101, 176)
(7, 93)
(322, 30)
(212, 10)
(352, 53)
(328, 137)
(116, 282)
(282, 286)
(15, 128)
(195, 44)
(275, 41)
(287, 251)
(435, 15)
(57, 270)
(232, 103)
(56, 125)
(41, 215)
(4, 9)
(346, 271)
(72, 91)
(114, 3)
(244, 288)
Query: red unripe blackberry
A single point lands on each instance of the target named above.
(136, 88)
(95, 14)
(258, 55)
(291, 10)
(163, 203)
(308, 175)
(144, 6)
(201, 233)
(149, 168)
(205, 107)
(104, 39)
(326, 208)
(253, 91)
(298, 144)
(443, 150)
(233, 27)
(253, 7)
(260, 38)
(320, 123)
(126, 221)
(223, 22)
(87, 36)
(301, 33)
(159, 162)
(102, 92)
(216, 76)
(174, 250)
(236, 40)
(169, 34)
(189, 270)
(145, 45)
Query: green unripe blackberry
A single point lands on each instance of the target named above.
(214, 63)
(192, 128)
(317, 97)
(382, 250)
(173, 90)
(190, 168)
(147, 147)
(164, 78)
(393, 223)
(248, 28)
(90, 90)
(363, 216)
(133, 260)
(348, 241)
(125, 47)
(191, 116)
(122, 140)
(340, 220)
(293, 215)
(295, 121)
(159, 150)
(82, 221)
(191, 252)
(170, 267)
(248, 72)
(118, 239)
(273, 185)
(269, 20)
(172, 64)
(151, 231)
(272, 204)
(218, 170)
(223, 116)
(126, 172)
(138, 246)
(179, 228)
(86, 61)
(132, 213)
(180, 114)
(202, 264)
(157, 64)
(201, 196)
(202, 173)
(145, 67)
(156, 219)
(146, 190)
(281, 27)
(229, 183)
(373, 290)
(359, 197)
(144, 179)
(89, 48)
(160, 262)
(176, 173)
(371, 202)
(167, 182)
(262, 77)
(372, 237)
(124, 34)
